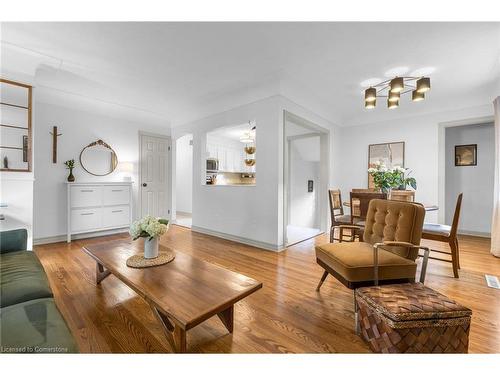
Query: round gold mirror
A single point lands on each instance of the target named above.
(98, 158)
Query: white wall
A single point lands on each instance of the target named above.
(247, 212)
(78, 128)
(421, 137)
(475, 182)
(253, 214)
(303, 204)
(184, 167)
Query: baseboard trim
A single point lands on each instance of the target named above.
(243, 240)
(63, 237)
(474, 233)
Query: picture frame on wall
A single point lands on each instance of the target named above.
(391, 154)
(465, 155)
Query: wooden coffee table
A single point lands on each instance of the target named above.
(182, 293)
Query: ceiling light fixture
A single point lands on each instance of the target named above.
(394, 88)
(394, 96)
(397, 84)
(423, 84)
(417, 96)
(392, 104)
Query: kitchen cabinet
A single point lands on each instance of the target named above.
(231, 157)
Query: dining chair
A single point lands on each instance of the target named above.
(336, 212)
(403, 195)
(358, 215)
(446, 233)
(388, 252)
(355, 206)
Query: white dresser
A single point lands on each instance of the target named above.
(98, 206)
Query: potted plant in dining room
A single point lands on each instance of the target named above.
(386, 179)
(70, 164)
(151, 229)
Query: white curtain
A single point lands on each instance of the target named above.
(495, 223)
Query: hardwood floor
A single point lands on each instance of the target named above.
(286, 316)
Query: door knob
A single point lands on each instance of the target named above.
(144, 184)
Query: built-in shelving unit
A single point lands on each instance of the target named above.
(15, 126)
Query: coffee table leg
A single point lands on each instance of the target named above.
(175, 335)
(227, 318)
(100, 273)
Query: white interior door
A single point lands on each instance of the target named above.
(154, 185)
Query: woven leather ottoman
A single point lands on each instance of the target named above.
(411, 318)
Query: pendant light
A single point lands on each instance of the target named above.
(417, 96)
(393, 104)
(394, 96)
(423, 84)
(393, 89)
(397, 84)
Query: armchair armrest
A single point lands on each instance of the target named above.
(13, 240)
(400, 244)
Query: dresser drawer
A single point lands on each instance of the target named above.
(86, 219)
(114, 195)
(86, 196)
(118, 216)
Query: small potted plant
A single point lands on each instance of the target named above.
(70, 164)
(151, 229)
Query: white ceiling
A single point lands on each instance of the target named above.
(170, 70)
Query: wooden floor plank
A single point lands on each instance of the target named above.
(286, 316)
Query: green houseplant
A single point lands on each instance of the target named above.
(386, 179)
(70, 164)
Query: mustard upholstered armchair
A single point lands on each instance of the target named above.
(388, 252)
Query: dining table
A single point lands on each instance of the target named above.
(428, 207)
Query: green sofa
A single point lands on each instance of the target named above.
(29, 319)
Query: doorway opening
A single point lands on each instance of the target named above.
(469, 169)
(184, 180)
(306, 175)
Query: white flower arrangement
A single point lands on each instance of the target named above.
(148, 226)
(386, 179)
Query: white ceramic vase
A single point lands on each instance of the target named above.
(151, 247)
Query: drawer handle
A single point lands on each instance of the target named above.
(87, 213)
(86, 191)
(116, 190)
(117, 211)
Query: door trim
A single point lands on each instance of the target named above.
(324, 135)
(141, 134)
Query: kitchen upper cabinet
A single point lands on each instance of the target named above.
(230, 157)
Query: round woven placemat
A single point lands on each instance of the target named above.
(138, 260)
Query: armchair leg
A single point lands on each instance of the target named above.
(423, 271)
(325, 274)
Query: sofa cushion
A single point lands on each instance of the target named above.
(22, 278)
(35, 327)
(13, 240)
(354, 262)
